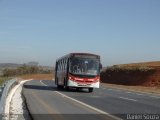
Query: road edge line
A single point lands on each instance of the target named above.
(43, 83)
(84, 104)
(124, 98)
(89, 106)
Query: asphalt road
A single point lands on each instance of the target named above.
(45, 101)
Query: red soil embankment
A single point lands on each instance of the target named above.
(133, 74)
(153, 79)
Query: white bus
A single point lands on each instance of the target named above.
(79, 70)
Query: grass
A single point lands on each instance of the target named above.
(117, 68)
(3, 79)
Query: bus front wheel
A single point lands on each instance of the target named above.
(90, 89)
(59, 86)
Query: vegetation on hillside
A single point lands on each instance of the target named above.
(149, 64)
(130, 75)
(117, 68)
(3, 79)
(24, 70)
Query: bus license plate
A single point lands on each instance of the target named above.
(80, 84)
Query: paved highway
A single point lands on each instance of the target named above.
(45, 101)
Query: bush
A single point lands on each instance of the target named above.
(3, 79)
(23, 70)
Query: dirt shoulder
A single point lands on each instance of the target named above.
(141, 89)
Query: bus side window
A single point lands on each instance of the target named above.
(58, 66)
(62, 64)
(65, 63)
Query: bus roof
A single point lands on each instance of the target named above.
(84, 54)
(70, 54)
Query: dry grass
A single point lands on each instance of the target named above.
(153, 90)
(38, 76)
(149, 64)
(3, 79)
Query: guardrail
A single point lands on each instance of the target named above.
(4, 90)
(2, 87)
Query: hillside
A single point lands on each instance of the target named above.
(149, 64)
(143, 74)
(9, 65)
(15, 66)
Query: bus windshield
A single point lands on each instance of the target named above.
(84, 66)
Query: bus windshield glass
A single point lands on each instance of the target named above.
(84, 66)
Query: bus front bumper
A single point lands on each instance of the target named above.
(84, 85)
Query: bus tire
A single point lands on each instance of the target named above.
(55, 80)
(58, 86)
(67, 88)
(77, 89)
(90, 89)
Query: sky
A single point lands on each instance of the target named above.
(120, 31)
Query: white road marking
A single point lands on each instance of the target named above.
(43, 83)
(155, 97)
(139, 94)
(95, 96)
(109, 89)
(129, 92)
(136, 93)
(117, 90)
(127, 99)
(84, 104)
(89, 106)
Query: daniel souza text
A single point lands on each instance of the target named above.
(143, 116)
